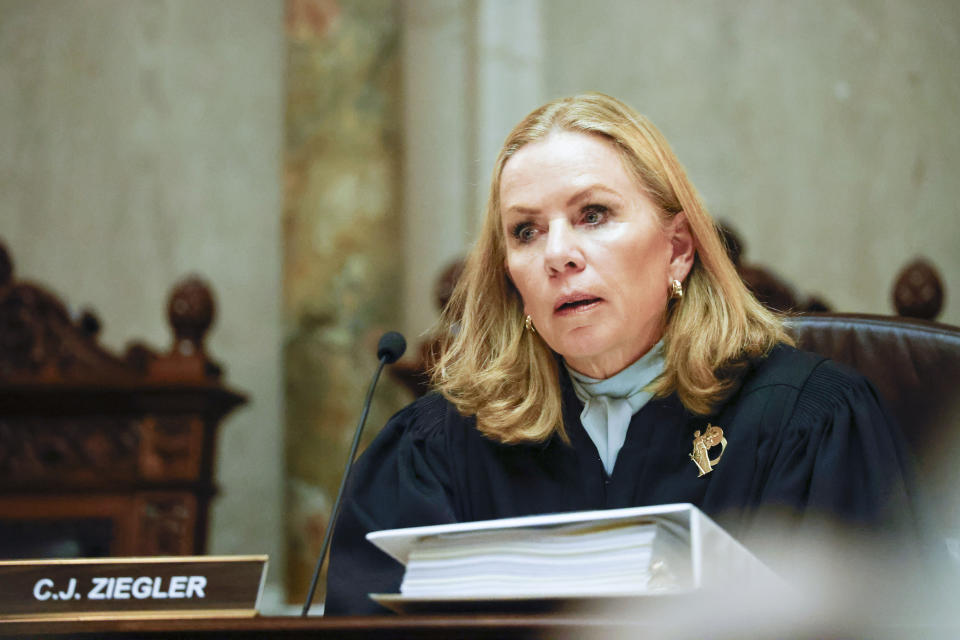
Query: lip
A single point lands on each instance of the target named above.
(560, 310)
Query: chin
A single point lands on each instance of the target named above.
(584, 343)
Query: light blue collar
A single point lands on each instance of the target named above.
(610, 404)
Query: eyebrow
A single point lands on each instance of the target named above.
(587, 192)
(583, 194)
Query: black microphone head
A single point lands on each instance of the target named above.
(391, 347)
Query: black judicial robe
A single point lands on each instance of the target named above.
(805, 436)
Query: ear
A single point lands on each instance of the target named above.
(682, 245)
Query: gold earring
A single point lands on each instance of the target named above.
(528, 325)
(676, 290)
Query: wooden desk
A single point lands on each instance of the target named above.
(685, 616)
(289, 628)
(446, 627)
(100, 454)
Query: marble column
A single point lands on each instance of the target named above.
(342, 259)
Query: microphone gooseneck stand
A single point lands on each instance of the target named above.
(389, 349)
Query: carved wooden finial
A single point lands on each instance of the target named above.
(6, 266)
(191, 311)
(918, 291)
(89, 323)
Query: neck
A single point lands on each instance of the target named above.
(608, 365)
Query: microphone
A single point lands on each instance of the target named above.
(389, 349)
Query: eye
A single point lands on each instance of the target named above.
(595, 214)
(524, 232)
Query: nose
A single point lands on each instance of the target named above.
(562, 252)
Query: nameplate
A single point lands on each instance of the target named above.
(110, 588)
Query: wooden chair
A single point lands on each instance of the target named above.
(102, 455)
(915, 365)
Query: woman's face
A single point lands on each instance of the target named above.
(588, 251)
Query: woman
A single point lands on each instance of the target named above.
(603, 353)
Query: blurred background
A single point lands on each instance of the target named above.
(320, 163)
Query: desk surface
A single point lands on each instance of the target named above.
(436, 627)
(448, 626)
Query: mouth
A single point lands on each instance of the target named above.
(576, 304)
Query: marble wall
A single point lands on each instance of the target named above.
(823, 131)
(343, 260)
(140, 141)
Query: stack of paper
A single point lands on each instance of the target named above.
(564, 560)
(588, 554)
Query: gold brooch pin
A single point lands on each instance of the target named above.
(711, 437)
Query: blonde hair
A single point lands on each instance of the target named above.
(508, 378)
